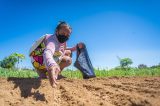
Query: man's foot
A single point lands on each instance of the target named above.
(40, 77)
(60, 77)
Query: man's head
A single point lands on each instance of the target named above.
(63, 31)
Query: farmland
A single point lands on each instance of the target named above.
(134, 87)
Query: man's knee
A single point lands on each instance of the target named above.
(68, 53)
(67, 60)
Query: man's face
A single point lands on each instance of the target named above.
(64, 30)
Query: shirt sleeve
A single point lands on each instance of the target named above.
(48, 53)
(72, 48)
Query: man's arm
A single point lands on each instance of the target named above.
(72, 49)
(80, 45)
(52, 67)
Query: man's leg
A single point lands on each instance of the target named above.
(66, 61)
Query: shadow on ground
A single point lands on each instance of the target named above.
(26, 85)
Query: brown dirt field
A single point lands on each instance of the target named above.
(112, 91)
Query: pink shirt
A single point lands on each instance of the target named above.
(53, 48)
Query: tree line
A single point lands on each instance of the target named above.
(13, 60)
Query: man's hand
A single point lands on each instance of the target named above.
(80, 45)
(53, 74)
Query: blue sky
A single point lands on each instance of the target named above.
(109, 28)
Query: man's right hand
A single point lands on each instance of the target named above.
(80, 45)
(53, 74)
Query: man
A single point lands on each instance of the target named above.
(54, 53)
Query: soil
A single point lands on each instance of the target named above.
(111, 91)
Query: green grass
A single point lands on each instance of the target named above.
(130, 72)
(77, 74)
(17, 73)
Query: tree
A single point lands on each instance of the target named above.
(19, 57)
(125, 62)
(155, 66)
(140, 66)
(10, 61)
